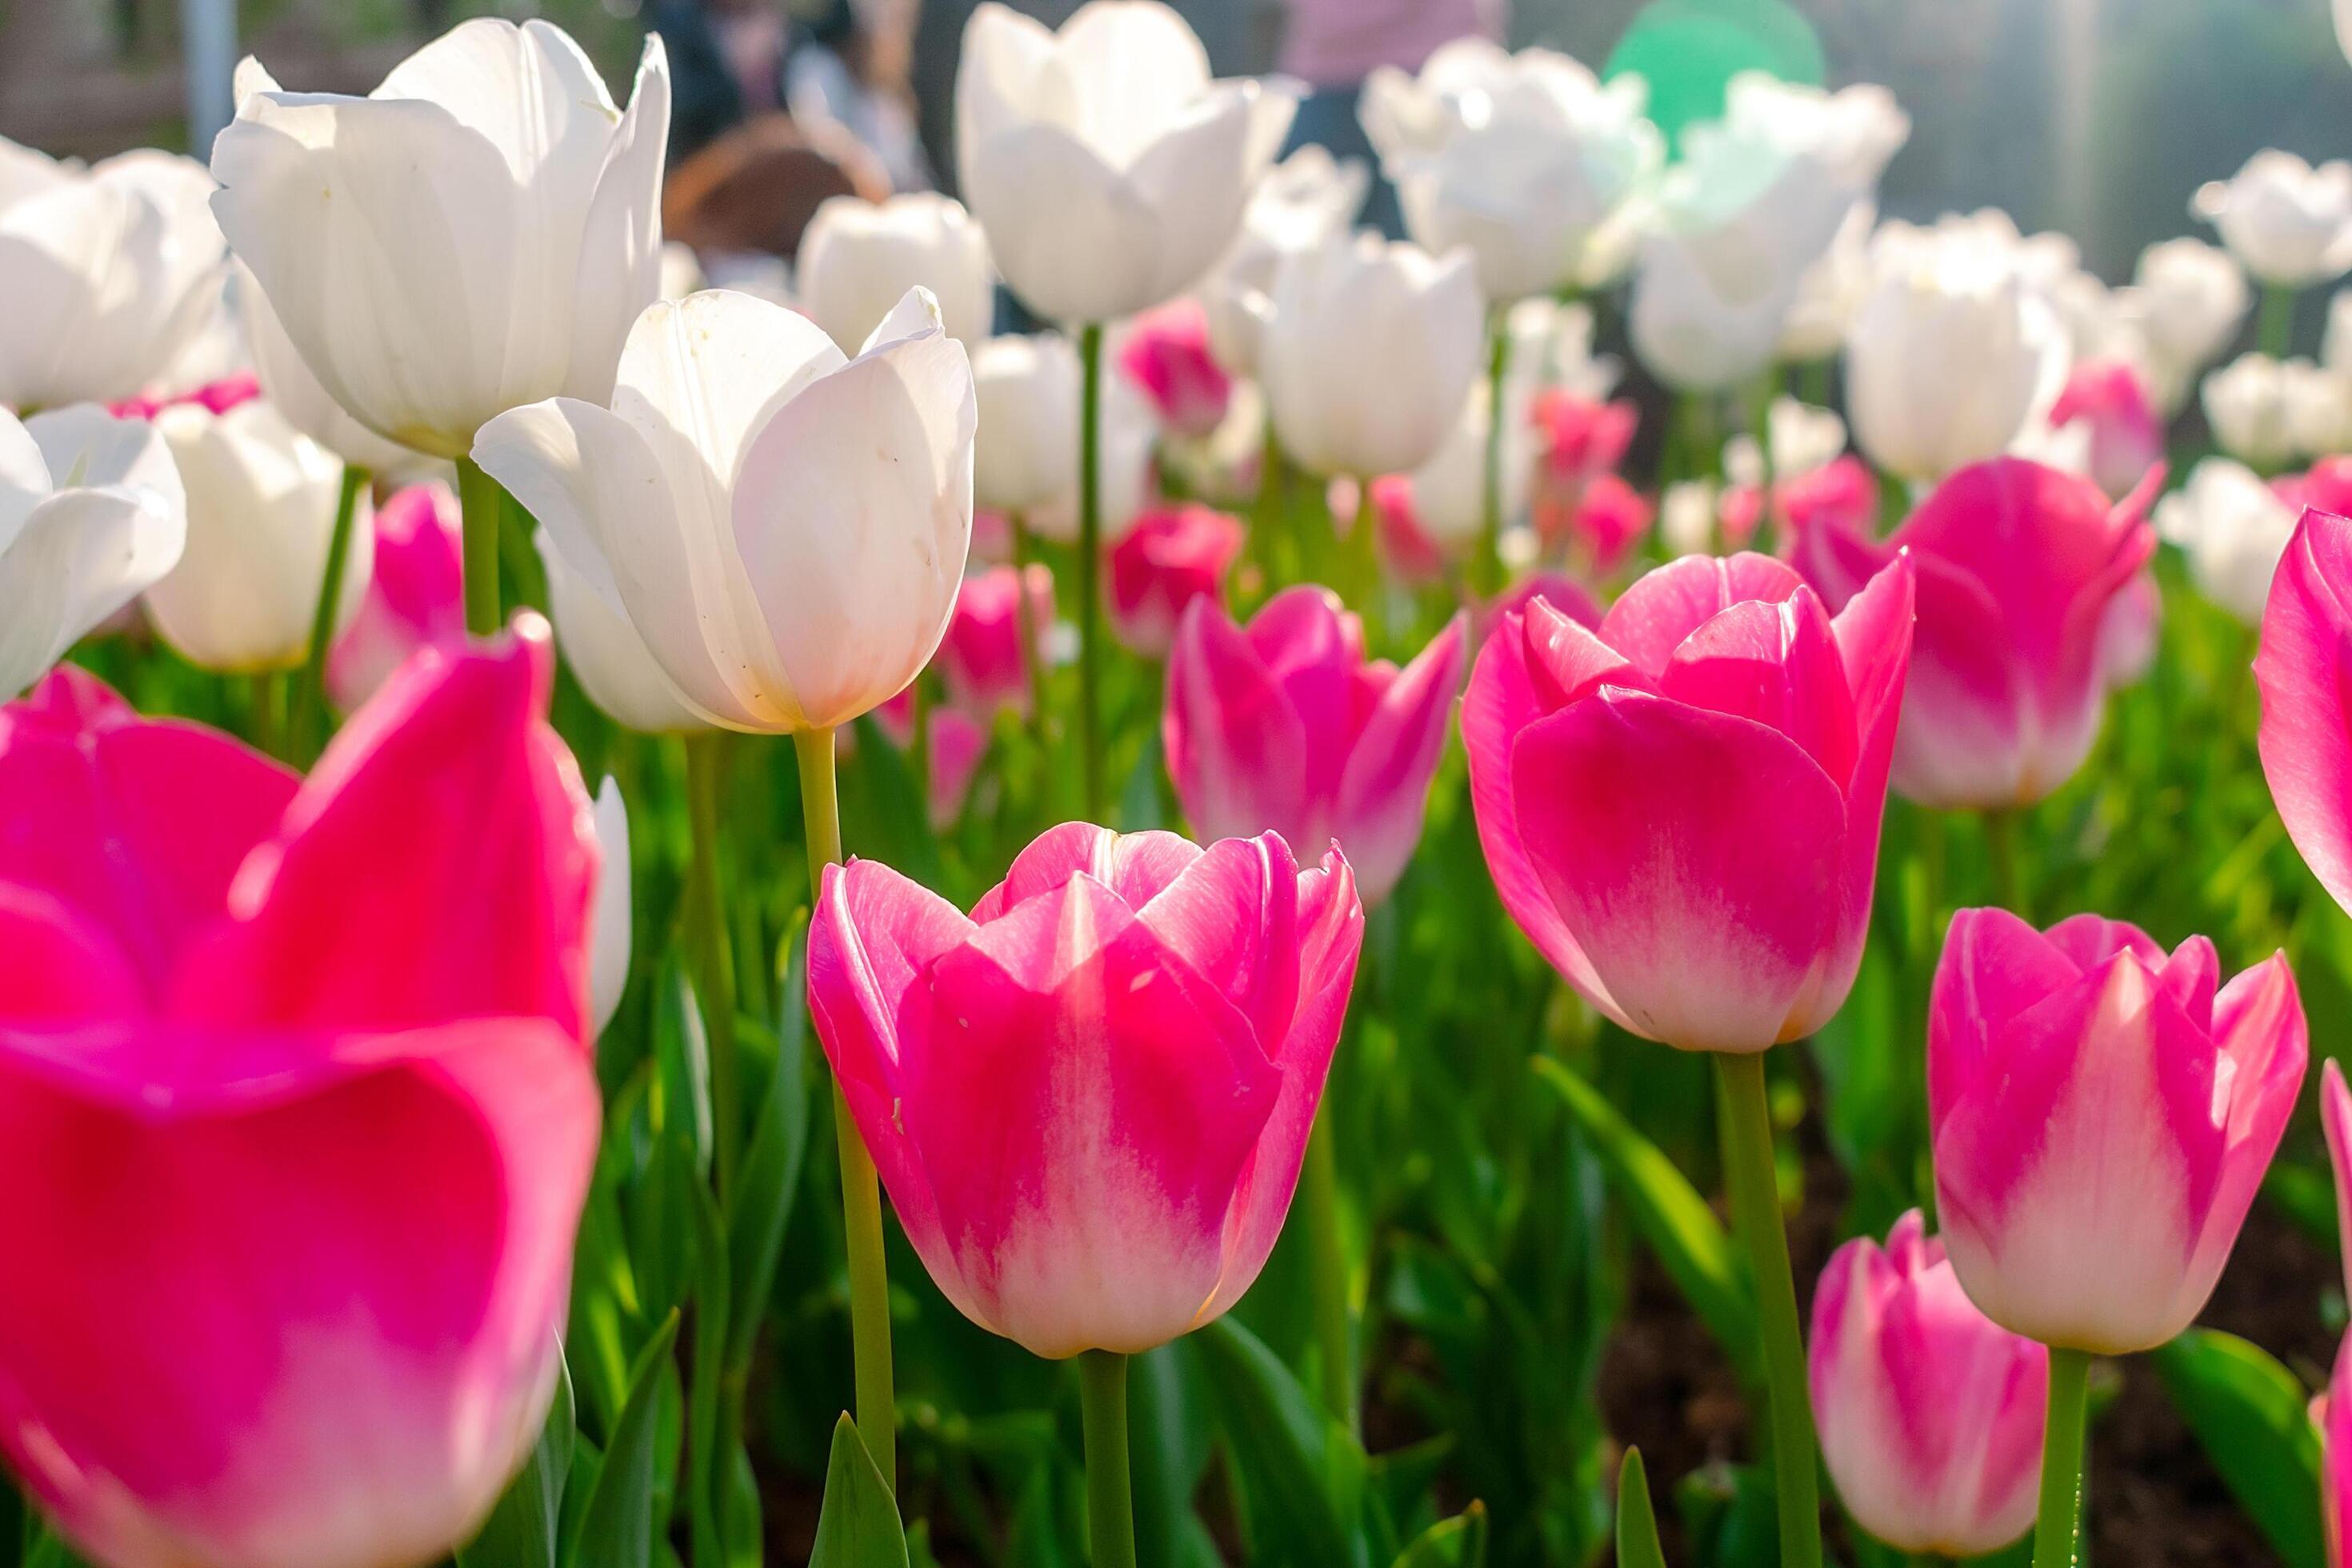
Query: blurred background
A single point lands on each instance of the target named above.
(2096, 116)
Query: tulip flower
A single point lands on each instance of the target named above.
(2192, 298)
(1564, 593)
(2333, 1412)
(1830, 293)
(981, 658)
(607, 656)
(1369, 352)
(1696, 332)
(1175, 554)
(2108, 399)
(110, 272)
(1607, 519)
(299, 1304)
(1108, 170)
(261, 512)
(92, 513)
(1448, 492)
(1284, 725)
(857, 258)
(1408, 547)
(2287, 223)
(415, 594)
(959, 742)
(215, 396)
(2247, 403)
(2233, 528)
(1089, 1099)
(2102, 1116)
(475, 235)
(784, 528)
(2305, 737)
(1583, 437)
(289, 384)
(2023, 571)
(1025, 462)
(1309, 198)
(1930, 1412)
(1165, 354)
(609, 935)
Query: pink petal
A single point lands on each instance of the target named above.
(58, 966)
(1134, 864)
(1385, 788)
(2336, 1117)
(1653, 617)
(1236, 747)
(1777, 664)
(1233, 915)
(2305, 670)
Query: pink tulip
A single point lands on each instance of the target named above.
(1566, 595)
(1841, 493)
(2304, 671)
(416, 599)
(2126, 437)
(2101, 1118)
(2023, 571)
(1598, 524)
(217, 396)
(1165, 352)
(1411, 556)
(1285, 726)
(1930, 1413)
(1681, 809)
(296, 1119)
(1583, 438)
(2333, 1413)
(1090, 1099)
(959, 741)
(981, 657)
(2327, 487)
(1173, 555)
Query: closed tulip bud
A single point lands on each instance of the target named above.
(110, 273)
(2102, 1116)
(307, 406)
(2233, 528)
(1165, 354)
(477, 233)
(958, 746)
(329, 1151)
(2335, 1124)
(1930, 1413)
(2109, 402)
(1107, 168)
(606, 655)
(1701, 326)
(2023, 571)
(415, 593)
(1308, 198)
(2192, 296)
(980, 658)
(1583, 437)
(1025, 458)
(1831, 292)
(261, 514)
(2288, 222)
(857, 258)
(608, 947)
(1175, 556)
(1370, 351)
(784, 528)
(1089, 1101)
(1283, 725)
(92, 513)
(2318, 409)
(1681, 809)
(2247, 403)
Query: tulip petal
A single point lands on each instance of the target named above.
(619, 265)
(1663, 607)
(2304, 670)
(1233, 915)
(1105, 234)
(1778, 663)
(1384, 791)
(58, 966)
(1135, 865)
(80, 556)
(2336, 1118)
(1236, 747)
(2259, 1025)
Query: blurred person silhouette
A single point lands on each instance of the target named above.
(726, 66)
(852, 67)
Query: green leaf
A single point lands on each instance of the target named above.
(857, 1527)
(617, 1525)
(1456, 1542)
(2250, 1414)
(1303, 1469)
(524, 1529)
(1689, 1241)
(1637, 1526)
(770, 1173)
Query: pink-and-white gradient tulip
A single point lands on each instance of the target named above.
(1929, 1412)
(2304, 670)
(2333, 1414)
(2111, 401)
(416, 597)
(2022, 570)
(1285, 726)
(2102, 1114)
(981, 657)
(292, 1176)
(1175, 556)
(1090, 1099)
(1165, 352)
(1681, 809)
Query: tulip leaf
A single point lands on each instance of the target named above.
(524, 1529)
(1304, 1470)
(2252, 1417)
(617, 1524)
(1456, 1542)
(1690, 1242)
(858, 1526)
(1637, 1525)
(771, 1175)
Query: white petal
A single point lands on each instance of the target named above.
(1073, 240)
(605, 654)
(80, 556)
(608, 966)
(619, 260)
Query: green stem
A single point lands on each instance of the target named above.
(861, 1189)
(1090, 757)
(2059, 1522)
(1759, 430)
(1328, 1273)
(1487, 568)
(2000, 850)
(265, 717)
(481, 500)
(1756, 1211)
(2275, 328)
(707, 932)
(919, 754)
(1024, 621)
(1110, 1491)
(311, 700)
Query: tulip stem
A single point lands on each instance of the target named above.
(481, 501)
(1025, 623)
(1486, 571)
(1328, 1273)
(2275, 328)
(2000, 850)
(1090, 757)
(707, 931)
(310, 710)
(1110, 1490)
(861, 1191)
(1755, 1215)
(2059, 1523)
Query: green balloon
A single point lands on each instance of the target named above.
(1689, 49)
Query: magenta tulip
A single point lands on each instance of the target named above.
(1285, 726)
(1930, 1413)
(1681, 809)
(2333, 1412)
(2304, 670)
(981, 657)
(2336, 1122)
(2124, 436)
(1090, 1099)
(416, 598)
(296, 1119)
(1566, 595)
(2022, 572)
(959, 741)
(1165, 352)
(2102, 1114)
(1173, 555)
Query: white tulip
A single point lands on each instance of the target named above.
(784, 527)
(261, 503)
(1699, 328)
(608, 917)
(2318, 409)
(681, 271)
(2233, 528)
(1108, 169)
(2246, 403)
(1800, 437)
(858, 260)
(2343, 9)
(1855, 131)
(2335, 343)
(477, 233)
(295, 394)
(1686, 514)
(91, 512)
(1830, 293)
(1449, 491)
(2192, 297)
(2290, 224)
(1026, 460)
(108, 273)
(1302, 202)
(1371, 352)
(1130, 433)
(605, 654)
(1526, 159)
